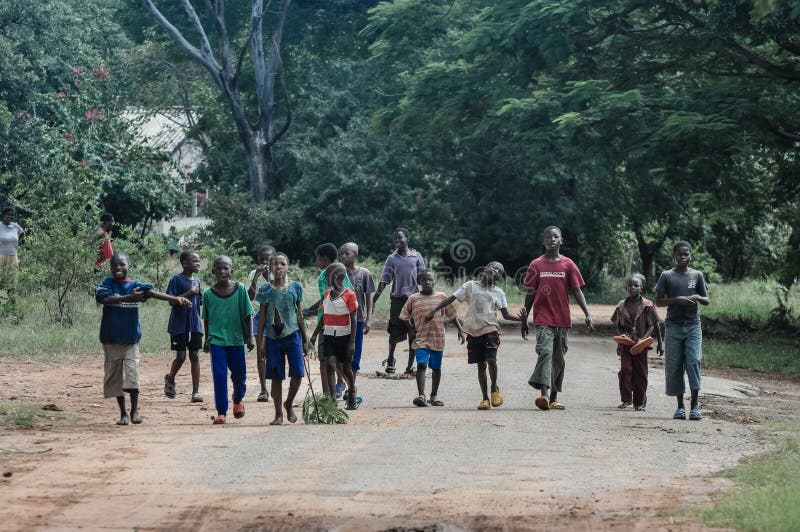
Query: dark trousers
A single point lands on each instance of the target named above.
(632, 376)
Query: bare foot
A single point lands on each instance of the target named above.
(290, 415)
(277, 421)
(123, 420)
(135, 418)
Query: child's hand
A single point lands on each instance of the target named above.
(686, 300)
(660, 350)
(182, 301)
(524, 330)
(461, 337)
(250, 343)
(589, 323)
(206, 347)
(522, 315)
(137, 294)
(195, 289)
(366, 327)
(262, 350)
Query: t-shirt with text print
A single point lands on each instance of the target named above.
(552, 280)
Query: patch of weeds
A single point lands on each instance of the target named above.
(322, 409)
(756, 352)
(19, 415)
(768, 488)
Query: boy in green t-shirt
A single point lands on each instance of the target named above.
(228, 319)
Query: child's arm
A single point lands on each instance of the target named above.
(703, 300)
(378, 291)
(440, 306)
(248, 333)
(136, 295)
(527, 307)
(663, 301)
(457, 323)
(301, 324)
(195, 289)
(369, 304)
(412, 331)
(261, 348)
(317, 329)
(577, 293)
(310, 311)
(206, 347)
(510, 317)
(174, 300)
(351, 343)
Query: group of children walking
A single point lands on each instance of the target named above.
(223, 320)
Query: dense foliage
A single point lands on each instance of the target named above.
(628, 123)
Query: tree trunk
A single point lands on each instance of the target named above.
(791, 267)
(647, 254)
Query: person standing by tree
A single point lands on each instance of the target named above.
(11, 236)
(105, 251)
(401, 269)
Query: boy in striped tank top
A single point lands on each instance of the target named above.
(427, 337)
(338, 323)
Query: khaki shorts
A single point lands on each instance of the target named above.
(8, 260)
(121, 369)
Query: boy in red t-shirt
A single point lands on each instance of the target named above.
(338, 323)
(549, 281)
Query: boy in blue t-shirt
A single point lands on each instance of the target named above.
(185, 327)
(120, 333)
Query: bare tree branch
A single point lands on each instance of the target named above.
(193, 51)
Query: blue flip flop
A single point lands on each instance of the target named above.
(679, 414)
(695, 415)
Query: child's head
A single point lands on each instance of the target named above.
(682, 253)
(265, 254)
(222, 268)
(635, 284)
(348, 254)
(552, 238)
(335, 275)
(401, 238)
(106, 221)
(426, 280)
(279, 265)
(493, 271)
(8, 214)
(190, 261)
(325, 254)
(120, 264)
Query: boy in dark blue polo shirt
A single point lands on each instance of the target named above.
(120, 333)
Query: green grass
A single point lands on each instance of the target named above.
(19, 415)
(748, 302)
(768, 489)
(778, 355)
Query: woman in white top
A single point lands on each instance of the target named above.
(11, 236)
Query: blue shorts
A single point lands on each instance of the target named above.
(359, 345)
(289, 347)
(430, 357)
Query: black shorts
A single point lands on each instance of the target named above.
(482, 348)
(396, 328)
(182, 342)
(336, 346)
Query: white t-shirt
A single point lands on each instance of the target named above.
(483, 304)
(9, 238)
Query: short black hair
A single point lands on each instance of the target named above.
(185, 255)
(266, 249)
(402, 230)
(327, 250)
(641, 278)
(281, 254)
(106, 217)
(119, 256)
(426, 271)
(681, 244)
(550, 228)
(8, 209)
